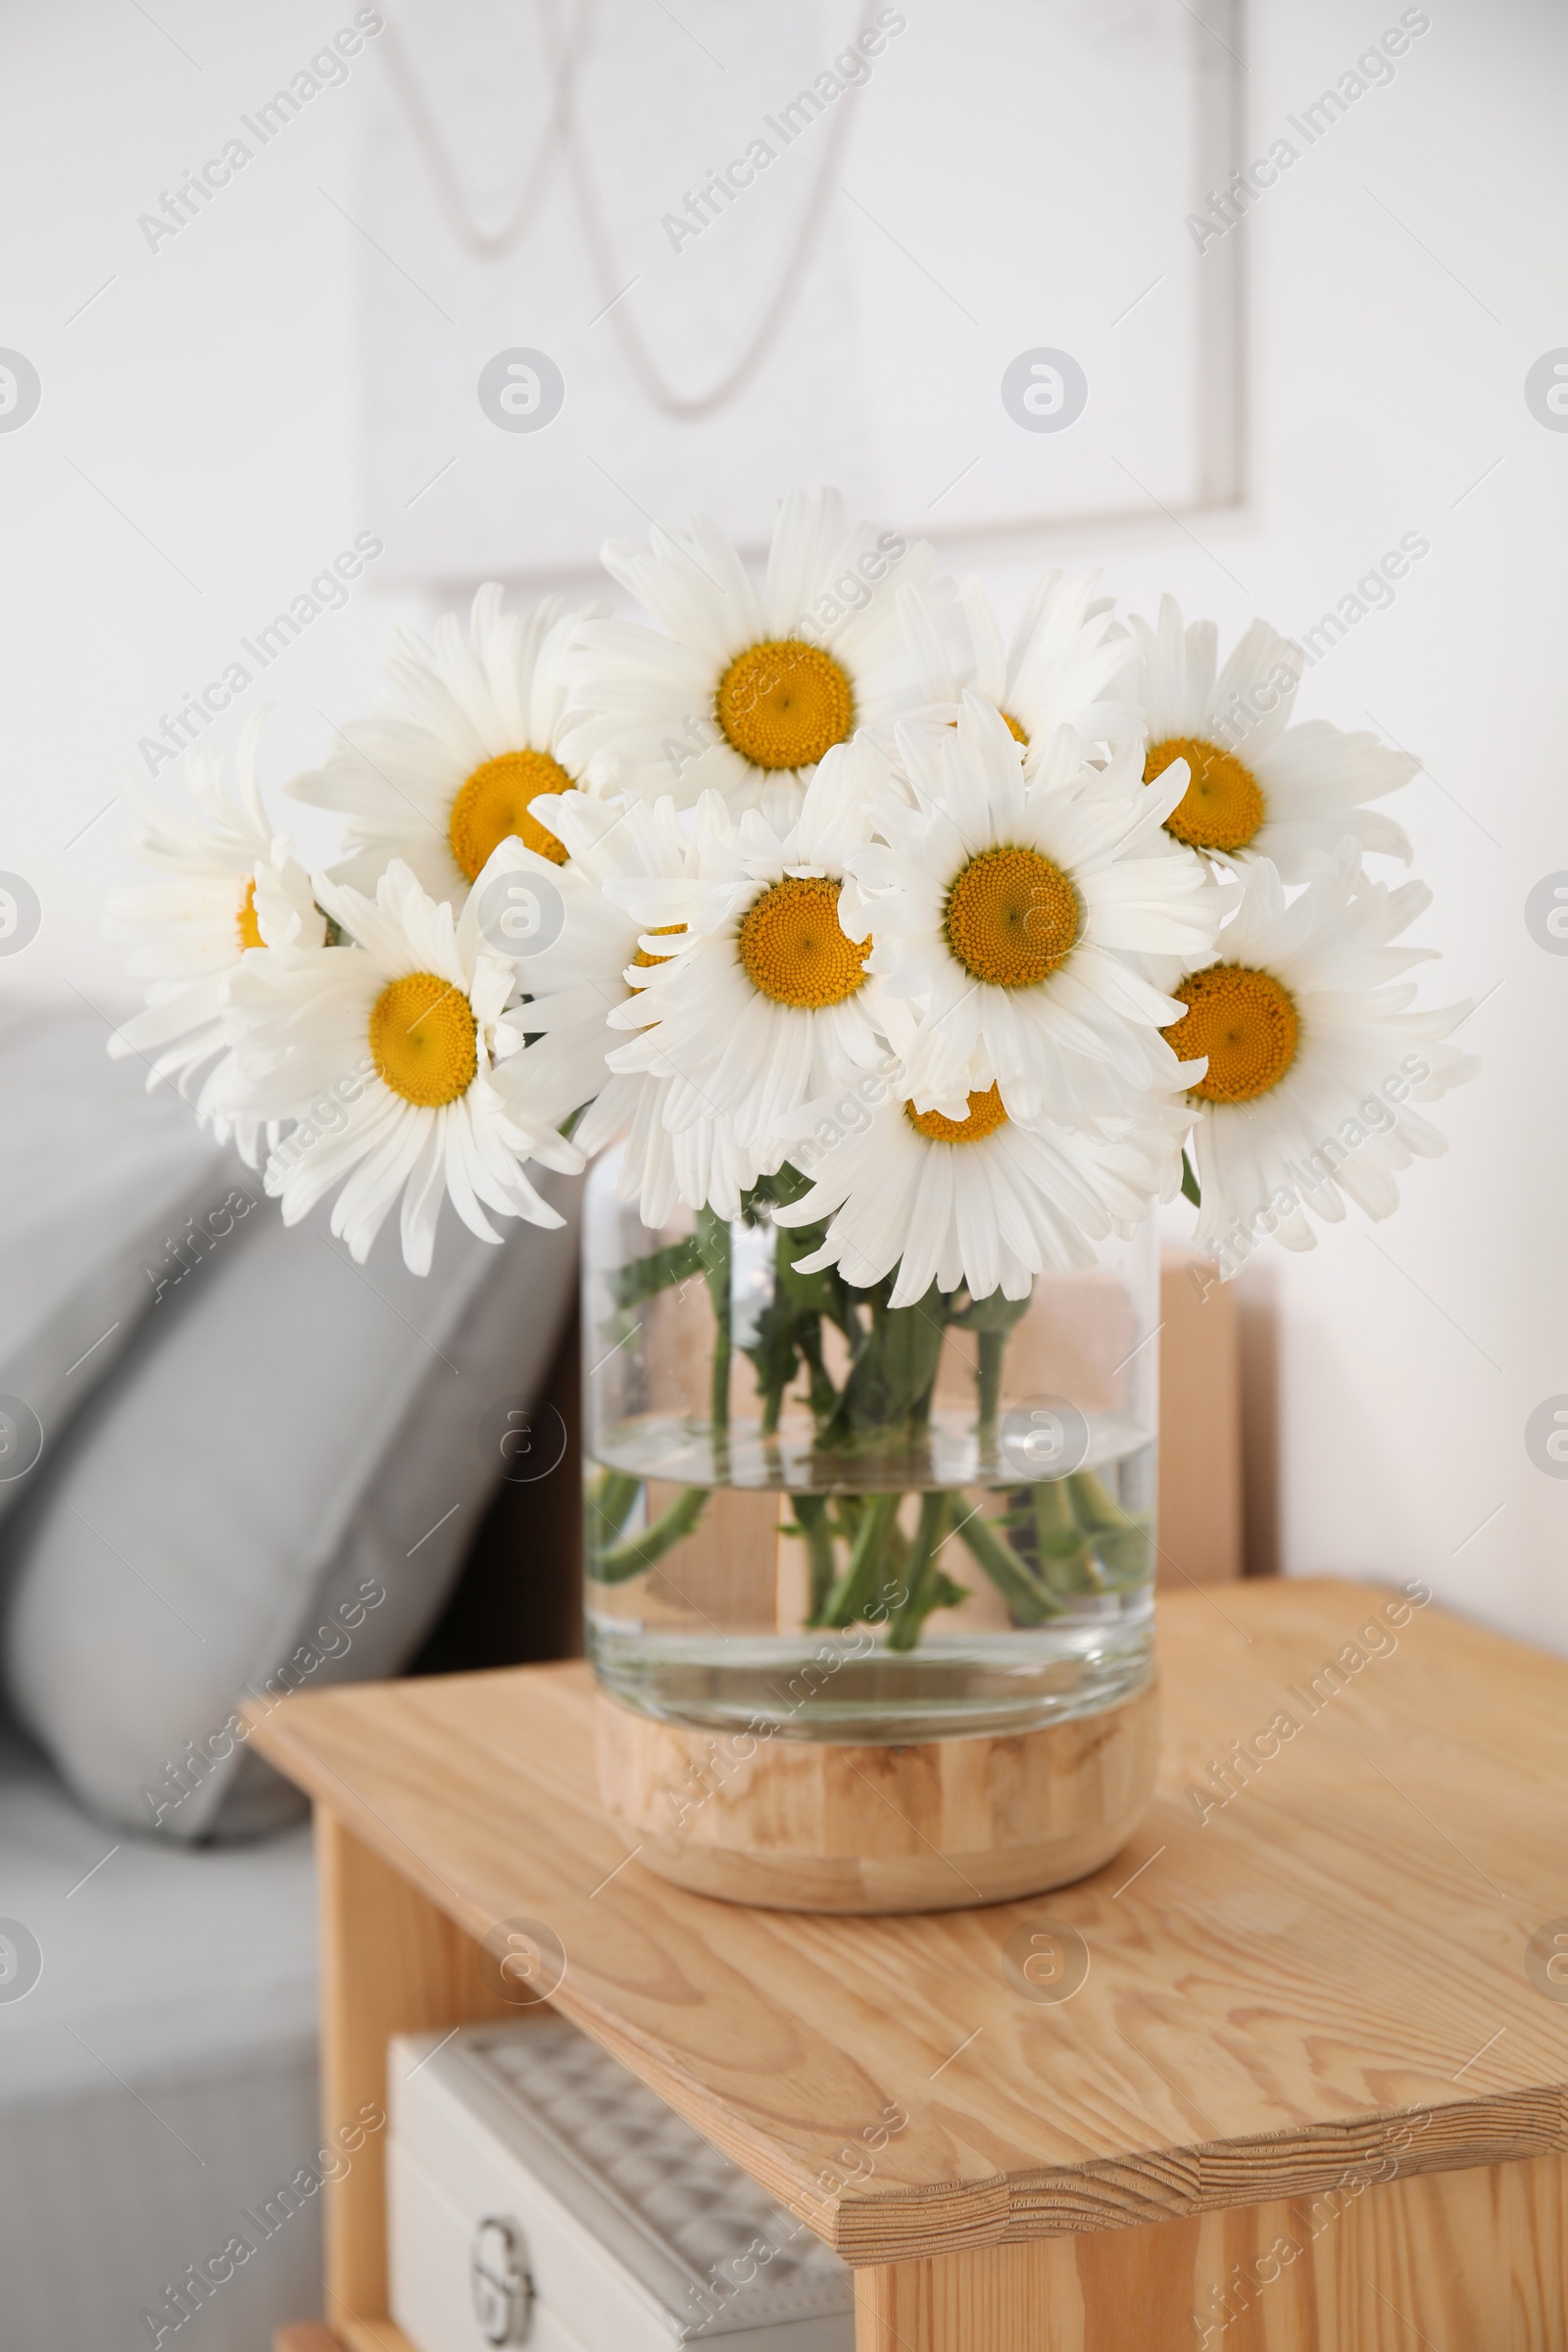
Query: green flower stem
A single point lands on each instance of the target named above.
(888, 1392)
(847, 1603)
(613, 1497)
(1119, 1539)
(712, 1241)
(1071, 1569)
(925, 1587)
(659, 1270)
(1029, 1601)
(1123, 1554)
(621, 1561)
(1051, 1516)
(989, 1381)
(811, 1522)
(825, 1396)
(846, 1510)
(895, 1564)
(1056, 1546)
(1094, 1506)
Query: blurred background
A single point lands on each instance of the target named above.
(229, 402)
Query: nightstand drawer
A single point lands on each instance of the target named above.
(540, 2195)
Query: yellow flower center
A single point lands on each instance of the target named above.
(985, 1116)
(659, 931)
(494, 803)
(1011, 917)
(1248, 1025)
(1018, 734)
(793, 947)
(784, 702)
(424, 1040)
(245, 923)
(1222, 806)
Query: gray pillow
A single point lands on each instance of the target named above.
(274, 1490)
(111, 1200)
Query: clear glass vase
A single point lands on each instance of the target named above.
(809, 1511)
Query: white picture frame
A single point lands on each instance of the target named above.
(1009, 186)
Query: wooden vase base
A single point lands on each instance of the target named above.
(802, 1824)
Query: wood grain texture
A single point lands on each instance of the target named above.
(1457, 2262)
(1271, 1986)
(392, 1962)
(1200, 1531)
(939, 1824)
(371, 2335)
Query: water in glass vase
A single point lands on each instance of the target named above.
(812, 1514)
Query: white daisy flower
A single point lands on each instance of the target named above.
(1062, 669)
(1015, 911)
(703, 1166)
(474, 738)
(580, 961)
(1258, 787)
(400, 1034)
(1314, 1057)
(981, 1200)
(749, 688)
(230, 886)
(762, 1000)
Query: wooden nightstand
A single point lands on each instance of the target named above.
(1311, 2095)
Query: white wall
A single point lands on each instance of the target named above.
(1389, 369)
(1405, 273)
(210, 393)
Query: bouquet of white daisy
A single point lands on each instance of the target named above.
(894, 973)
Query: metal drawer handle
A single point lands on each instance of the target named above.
(500, 2280)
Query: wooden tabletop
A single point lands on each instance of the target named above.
(1326, 1970)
